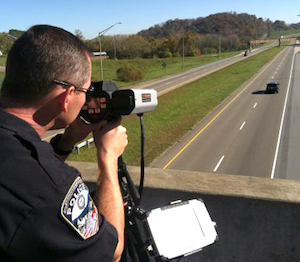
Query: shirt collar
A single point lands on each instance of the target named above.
(18, 126)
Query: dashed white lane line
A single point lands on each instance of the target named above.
(242, 125)
(219, 163)
(255, 105)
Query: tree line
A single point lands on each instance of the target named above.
(191, 37)
(191, 44)
(174, 38)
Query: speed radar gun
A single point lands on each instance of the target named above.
(176, 230)
(107, 102)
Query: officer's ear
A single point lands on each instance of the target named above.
(65, 98)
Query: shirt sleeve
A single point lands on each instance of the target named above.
(66, 226)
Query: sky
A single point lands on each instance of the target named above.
(94, 16)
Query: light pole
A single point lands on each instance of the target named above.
(219, 47)
(115, 49)
(101, 34)
(182, 51)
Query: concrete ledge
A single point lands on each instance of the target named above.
(207, 183)
(257, 218)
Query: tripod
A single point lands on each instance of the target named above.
(139, 246)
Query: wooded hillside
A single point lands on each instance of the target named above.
(224, 24)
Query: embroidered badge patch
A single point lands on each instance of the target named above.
(79, 210)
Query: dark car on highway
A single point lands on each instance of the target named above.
(272, 87)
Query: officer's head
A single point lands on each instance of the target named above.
(42, 54)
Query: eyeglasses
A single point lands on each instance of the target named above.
(87, 91)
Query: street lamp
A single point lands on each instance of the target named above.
(183, 52)
(219, 46)
(101, 34)
(115, 49)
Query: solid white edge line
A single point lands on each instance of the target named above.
(282, 120)
(242, 125)
(219, 163)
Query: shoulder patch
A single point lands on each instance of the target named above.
(79, 210)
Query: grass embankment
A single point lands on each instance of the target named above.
(2, 73)
(278, 34)
(152, 68)
(182, 108)
(2, 60)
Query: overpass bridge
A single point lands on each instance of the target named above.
(257, 218)
(261, 41)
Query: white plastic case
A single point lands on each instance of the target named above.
(182, 228)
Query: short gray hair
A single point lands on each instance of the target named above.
(44, 53)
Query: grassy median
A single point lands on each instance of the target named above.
(178, 111)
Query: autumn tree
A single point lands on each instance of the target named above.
(79, 34)
(5, 42)
(132, 46)
(92, 45)
(280, 25)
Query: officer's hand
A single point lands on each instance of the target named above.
(78, 131)
(110, 140)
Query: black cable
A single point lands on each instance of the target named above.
(142, 155)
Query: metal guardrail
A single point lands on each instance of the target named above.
(260, 41)
(83, 144)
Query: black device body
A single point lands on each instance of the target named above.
(107, 102)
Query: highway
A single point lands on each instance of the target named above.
(171, 82)
(243, 136)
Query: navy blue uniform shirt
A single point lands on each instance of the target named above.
(46, 212)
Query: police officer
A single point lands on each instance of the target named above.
(46, 211)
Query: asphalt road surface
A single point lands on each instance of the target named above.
(243, 135)
(287, 163)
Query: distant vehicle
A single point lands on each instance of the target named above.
(272, 87)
